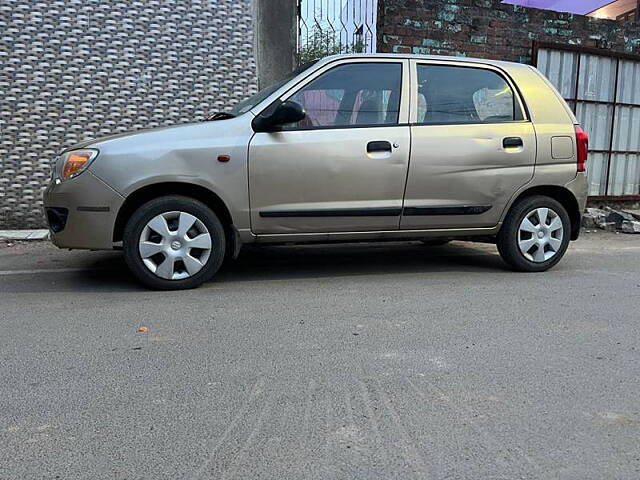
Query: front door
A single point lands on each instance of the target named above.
(472, 146)
(343, 168)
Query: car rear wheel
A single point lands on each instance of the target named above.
(174, 243)
(535, 234)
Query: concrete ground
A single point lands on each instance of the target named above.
(344, 361)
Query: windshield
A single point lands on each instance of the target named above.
(252, 101)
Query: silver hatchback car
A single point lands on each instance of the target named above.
(350, 148)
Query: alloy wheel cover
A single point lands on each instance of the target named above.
(540, 235)
(175, 245)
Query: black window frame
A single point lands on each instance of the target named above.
(520, 113)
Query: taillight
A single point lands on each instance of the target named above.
(582, 141)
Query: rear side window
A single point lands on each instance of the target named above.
(357, 94)
(450, 95)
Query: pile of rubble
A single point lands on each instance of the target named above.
(612, 220)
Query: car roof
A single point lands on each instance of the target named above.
(483, 61)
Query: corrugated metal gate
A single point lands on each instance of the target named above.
(328, 27)
(604, 92)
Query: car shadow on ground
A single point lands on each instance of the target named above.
(107, 271)
(338, 260)
(303, 262)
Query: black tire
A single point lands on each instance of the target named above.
(508, 236)
(435, 242)
(145, 213)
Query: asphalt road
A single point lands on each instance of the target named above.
(321, 362)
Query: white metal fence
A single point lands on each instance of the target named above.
(604, 91)
(327, 27)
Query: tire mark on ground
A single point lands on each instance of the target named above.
(306, 422)
(255, 391)
(488, 439)
(242, 454)
(408, 448)
(302, 452)
(327, 460)
(371, 417)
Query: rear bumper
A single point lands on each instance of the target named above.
(579, 187)
(82, 212)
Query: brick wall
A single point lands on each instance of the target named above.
(76, 69)
(491, 29)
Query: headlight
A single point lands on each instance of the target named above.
(76, 161)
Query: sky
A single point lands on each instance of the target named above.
(574, 6)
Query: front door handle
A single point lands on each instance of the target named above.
(378, 146)
(512, 142)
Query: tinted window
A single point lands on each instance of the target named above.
(463, 95)
(356, 94)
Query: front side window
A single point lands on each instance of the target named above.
(449, 95)
(357, 94)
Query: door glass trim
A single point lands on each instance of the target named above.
(444, 124)
(344, 127)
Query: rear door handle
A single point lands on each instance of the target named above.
(512, 142)
(378, 146)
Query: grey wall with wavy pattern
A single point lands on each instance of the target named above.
(77, 69)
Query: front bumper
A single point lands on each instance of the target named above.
(90, 207)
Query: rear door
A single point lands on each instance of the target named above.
(343, 168)
(472, 146)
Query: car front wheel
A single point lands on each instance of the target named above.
(174, 243)
(535, 235)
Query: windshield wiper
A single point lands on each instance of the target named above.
(220, 116)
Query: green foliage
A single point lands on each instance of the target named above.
(324, 43)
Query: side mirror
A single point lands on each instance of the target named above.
(272, 119)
